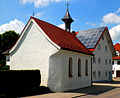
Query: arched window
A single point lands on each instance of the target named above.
(79, 67)
(70, 67)
(86, 67)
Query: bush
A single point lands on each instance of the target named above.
(7, 67)
(3, 62)
(13, 79)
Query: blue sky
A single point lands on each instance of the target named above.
(87, 14)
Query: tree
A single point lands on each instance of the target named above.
(7, 40)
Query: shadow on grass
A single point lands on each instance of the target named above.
(14, 93)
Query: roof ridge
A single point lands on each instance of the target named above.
(50, 24)
(92, 28)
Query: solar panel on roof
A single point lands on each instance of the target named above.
(90, 37)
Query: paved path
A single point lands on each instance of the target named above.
(97, 90)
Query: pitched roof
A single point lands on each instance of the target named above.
(117, 47)
(62, 38)
(90, 37)
(116, 58)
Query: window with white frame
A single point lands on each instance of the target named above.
(99, 61)
(94, 60)
(112, 62)
(94, 74)
(99, 73)
(106, 48)
(106, 61)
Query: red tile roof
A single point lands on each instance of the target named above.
(117, 47)
(116, 58)
(62, 38)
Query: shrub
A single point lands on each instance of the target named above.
(3, 62)
(7, 67)
(19, 79)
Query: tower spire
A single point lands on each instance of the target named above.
(67, 19)
(33, 14)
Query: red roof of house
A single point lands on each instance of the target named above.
(62, 38)
(116, 58)
(117, 47)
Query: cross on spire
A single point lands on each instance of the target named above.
(33, 14)
(67, 5)
(67, 19)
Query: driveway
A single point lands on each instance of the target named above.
(97, 90)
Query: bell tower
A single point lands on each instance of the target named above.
(68, 20)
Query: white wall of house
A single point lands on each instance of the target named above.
(7, 60)
(33, 52)
(115, 68)
(102, 67)
(65, 83)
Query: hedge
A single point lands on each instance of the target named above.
(7, 67)
(19, 79)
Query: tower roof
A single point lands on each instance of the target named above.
(67, 17)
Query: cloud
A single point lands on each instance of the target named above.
(118, 11)
(15, 25)
(40, 3)
(39, 14)
(91, 24)
(62, 26)
(111, 18)
(115, 32)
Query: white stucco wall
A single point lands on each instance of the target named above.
(105, 69)
(61, 60)
(33, 52)
(7, 60)
(115, 67)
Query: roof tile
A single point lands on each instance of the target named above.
(61, 37)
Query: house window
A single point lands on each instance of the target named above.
(112, 71)
(99, 73)
(70, 67)
(8, 58)
(109, 61)
(94, 60)
(86, 67)
(112, 62)
(79, 67)
(103, 37)
(105, 48)
(117, 53)
(94, 74)
(118, 62)
(99, 46)
(106, 61)
(106, 73)
(99, 60)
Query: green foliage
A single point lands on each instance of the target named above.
(7, 67)
(3, 62)
(7, 40)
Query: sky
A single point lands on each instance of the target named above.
(87, 14)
